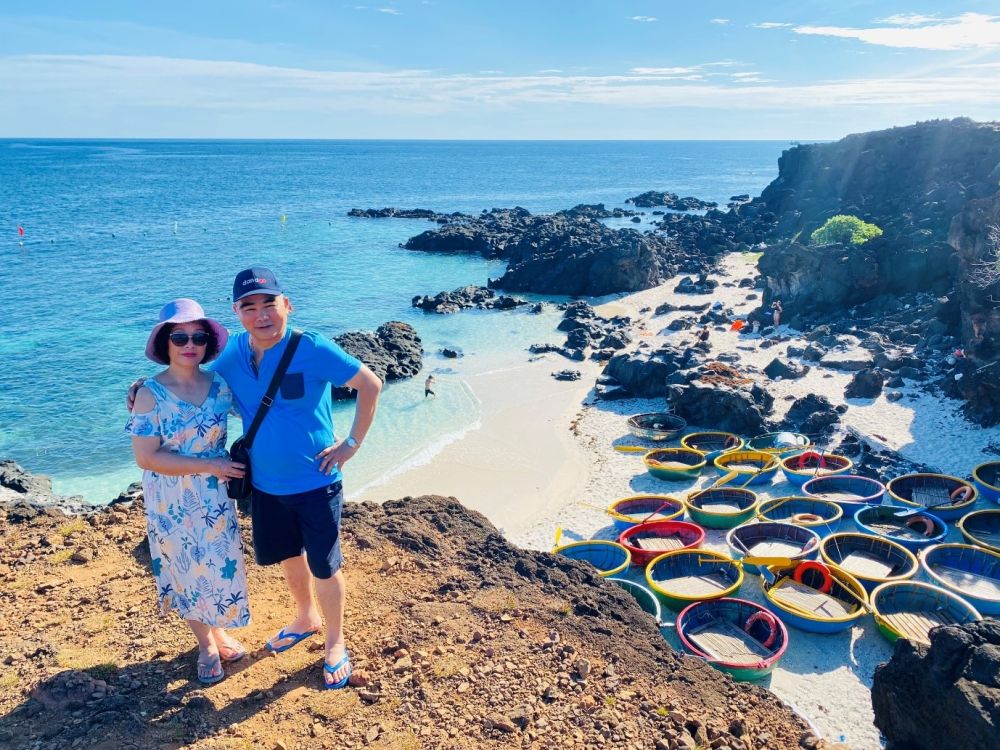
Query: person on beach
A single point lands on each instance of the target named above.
(297, 461)
(776, 312)
(178, 429)
(429, 386)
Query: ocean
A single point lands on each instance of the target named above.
(114, 229)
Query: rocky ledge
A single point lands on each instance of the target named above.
(393, 352)
(465, 298)
(459, 639)
(652, 198)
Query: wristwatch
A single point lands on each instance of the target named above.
(351, 442)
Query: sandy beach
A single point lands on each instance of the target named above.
(544, 449)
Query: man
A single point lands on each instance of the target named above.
(429, 386)
(296, 459)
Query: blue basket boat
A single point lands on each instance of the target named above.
(684, 576)
(712, 444)
(647, 601)
(772, 539)
(751, 467)
(910, 609)
(814, 597)
(779, 442)
(986, 477)
(851, 492)
(626, 512)
(722, 507)
(610, 558)
(872, 560)
(674, 464)
(972, 573)
(914, 531)
(948, 497)
(822, 516)
(735, 636)
(982, 528)
(801, 467)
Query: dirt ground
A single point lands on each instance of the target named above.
(458, 640)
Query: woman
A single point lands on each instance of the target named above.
(178, 429)
(776, 312)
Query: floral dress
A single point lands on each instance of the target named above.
(194, 536)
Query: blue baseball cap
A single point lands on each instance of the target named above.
(256, 280)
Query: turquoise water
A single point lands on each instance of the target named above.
(115, 229)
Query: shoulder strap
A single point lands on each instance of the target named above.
(272, 388)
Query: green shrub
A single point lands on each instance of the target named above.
(847, 230)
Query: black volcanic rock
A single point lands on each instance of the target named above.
(393, 352)
(942, 696)
(464, 298)
(778, 368)
(644, 373)
(737, 410)
(672, 201)
(865, 384)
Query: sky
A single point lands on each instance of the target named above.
(479, 69)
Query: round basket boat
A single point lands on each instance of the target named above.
(646, 541)
(751, 467)
(674, 464)
(870, 559)
(822, 516)
(815, 597)
(779, 442)
(643, 596)
(610, 558)
(972, 573)
(909, 609)
(914, 531)
(722, 507)
(986, 477)
(949, 497)
(656, 426)
(802, 467)
(772, 539)
(712, 444)
(735, 636)
(850, 492)
(626, 512)
(692, 575)
(982, 528)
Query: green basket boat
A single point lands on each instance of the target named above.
(684, 576)
(722, 507)
(674, 464)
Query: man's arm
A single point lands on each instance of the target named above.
(369, 386)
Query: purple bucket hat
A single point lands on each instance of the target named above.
(185, 310)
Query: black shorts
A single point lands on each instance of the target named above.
(285, 526)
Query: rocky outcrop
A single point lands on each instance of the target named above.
(465, 298)
(866, 383)
(942, 696)
(645, 373)
(393, 352)
(812, 415)
(402, 213)
(29, 495)
(740, 410)
(672, 201)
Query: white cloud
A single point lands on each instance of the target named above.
(550, 70)
(664, 71)
(720, 21)
(967, 31)
(770, 25)
(908, 19)
(390, 11)
(643, 19)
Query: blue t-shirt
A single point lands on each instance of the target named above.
(299, 423)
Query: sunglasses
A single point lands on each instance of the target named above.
(179, 338)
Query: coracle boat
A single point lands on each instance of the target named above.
(849, 491)
(692, 575)
(909, 609)
(948, 497)
(656, 426)
(626, 512)
(872, 560)
(986, 477)
(643, 596)
(822, 516)
(802, 467)
(779, 442)
(674, 464)
(814, 597)
(982, 528)
(735, 636)
(971, 572)
(610, 558)
(772, 539)
(913, 531)
(645, 541)
(751, 467)
(712, 444)
(722, 507)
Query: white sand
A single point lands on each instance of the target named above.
(529, 473)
